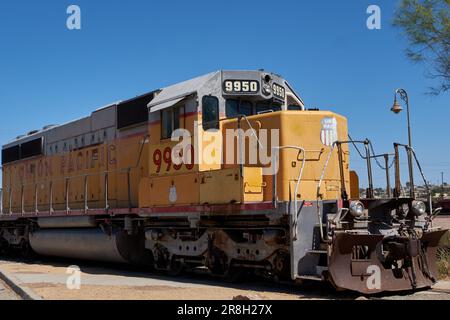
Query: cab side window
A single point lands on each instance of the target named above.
(171, 120)
(210, 112)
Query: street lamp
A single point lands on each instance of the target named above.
(397, 108)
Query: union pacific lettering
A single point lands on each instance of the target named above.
(35, 169)
(73, 162)
(81, 160)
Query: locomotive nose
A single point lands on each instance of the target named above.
(388, 264)
(401, 248)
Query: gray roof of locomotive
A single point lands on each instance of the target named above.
(105, 117)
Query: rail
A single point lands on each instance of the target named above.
(275, 155)
(300, 174)
(344, 195)
(239, 118)
(368, 157)
(274, 161)
(319, 184)
(397, 173)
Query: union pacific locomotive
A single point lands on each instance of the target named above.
(227, 171)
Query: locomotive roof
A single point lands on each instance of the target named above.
(174, 93)
(165, 97)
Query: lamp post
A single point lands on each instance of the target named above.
(396, 108)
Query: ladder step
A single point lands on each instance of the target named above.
(317, 251)
(312, 278)
(321, 269)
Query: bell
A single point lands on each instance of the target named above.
(396, 108)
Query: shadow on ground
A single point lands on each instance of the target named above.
(307, 289)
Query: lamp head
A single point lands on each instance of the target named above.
(396, 108)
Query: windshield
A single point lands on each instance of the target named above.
(233, 108)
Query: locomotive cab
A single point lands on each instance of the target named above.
(202, 138)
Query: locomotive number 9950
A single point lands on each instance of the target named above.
(241, 86)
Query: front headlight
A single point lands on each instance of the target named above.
(403, 210)
(356, 208)
(419, 207)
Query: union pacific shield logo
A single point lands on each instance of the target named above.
(173, 194)
(328, 134)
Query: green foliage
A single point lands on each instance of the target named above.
(426, 24)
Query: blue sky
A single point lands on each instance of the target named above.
(49, 74)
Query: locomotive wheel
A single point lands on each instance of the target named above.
(234, 274)
(161, 258)
(176, 268)
(4, 247)
(281, 266)
(217, 261)
(25, 249)
(149, 259)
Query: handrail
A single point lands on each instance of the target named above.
(98, 173)
(368, 157)
(322, 175)
(67, 179)
(324, 169)
(71, 177)
(239, 117)
(423, 177)
(297, 185)
(251, 127)
(398, 184)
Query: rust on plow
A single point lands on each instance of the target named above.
(375, 263)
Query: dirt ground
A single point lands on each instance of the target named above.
(48, 278)
(6, 293)
(442, 221)
(92, 292)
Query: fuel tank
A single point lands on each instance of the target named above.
(89, 244)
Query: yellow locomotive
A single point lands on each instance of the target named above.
(228, 171)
